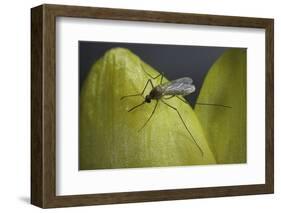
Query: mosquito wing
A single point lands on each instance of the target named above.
(181, 86)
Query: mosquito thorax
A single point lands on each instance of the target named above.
(156, 93)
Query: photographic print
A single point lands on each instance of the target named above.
(156, 105)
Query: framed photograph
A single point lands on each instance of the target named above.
(137, 106)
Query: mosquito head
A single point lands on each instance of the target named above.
(148, 99)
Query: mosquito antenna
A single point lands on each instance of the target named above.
(136, 106)
(217, 105)
(149, 116)
(174, 108)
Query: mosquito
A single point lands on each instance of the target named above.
(164, 91)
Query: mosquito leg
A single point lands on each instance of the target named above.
(174, 108)
(183, 100)
(150, 115)
(139, 94)
(167, 98)
(217, 105)
(204, 104)
(162, 76)
(148, 81)
(148, 73)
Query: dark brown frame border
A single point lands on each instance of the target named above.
(43, 97)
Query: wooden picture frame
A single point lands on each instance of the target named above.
(43, 105)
